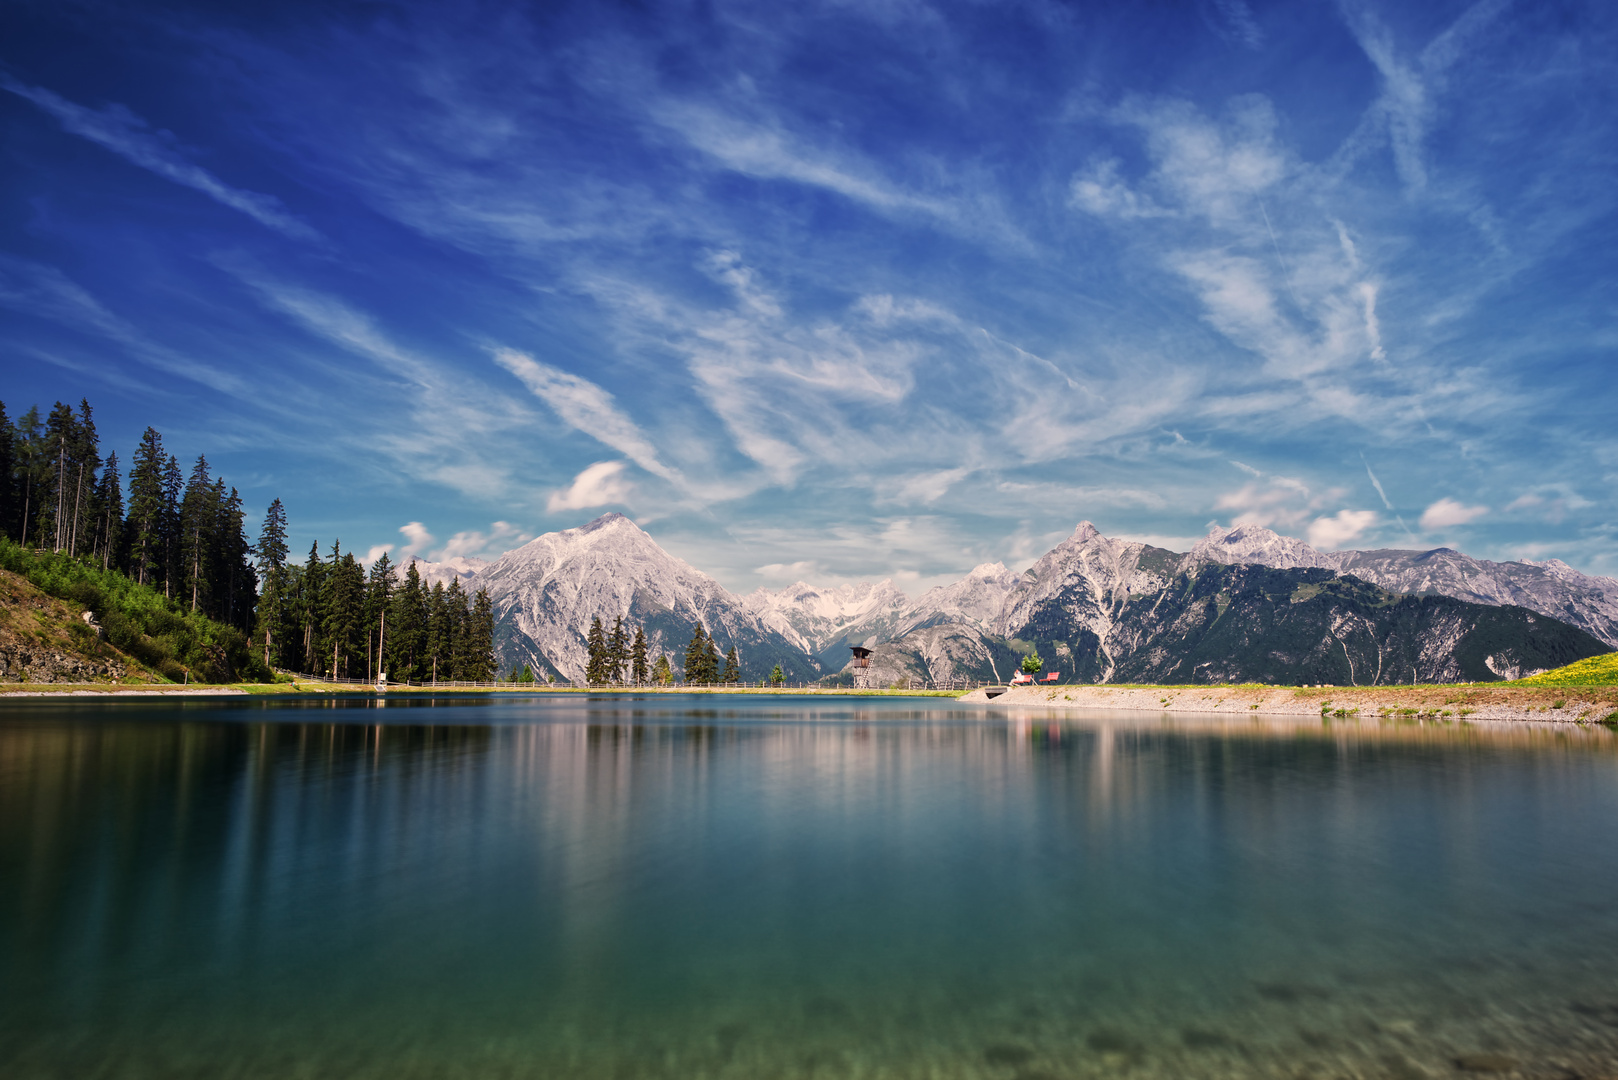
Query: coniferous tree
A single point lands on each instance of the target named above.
(617, 651)
(271, 556)
(710, 663)
(345, 600)
(596, 659)
(10, 504)
(235, 586)
(733, 667)
(777, 676)
(311, 606)
(378, 597)
(406, 629)
(662, 673)
(480, 639)
(696, 656)
(637, 657)
(145, 524)
(51, 516)
(197, 517)
(109, 515)
(85, 459)
(173, 487)
(455, 657)
(438, 629)
(29, 446)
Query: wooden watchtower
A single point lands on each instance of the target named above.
(861, 664)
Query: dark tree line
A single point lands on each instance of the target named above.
(702, 660)
(615, 656)
(181, 535)
(330, 615)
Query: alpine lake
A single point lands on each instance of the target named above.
(631, 886)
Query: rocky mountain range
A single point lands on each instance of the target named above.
(546, 593)
(1244, 604)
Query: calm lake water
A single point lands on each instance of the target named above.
(809, 887)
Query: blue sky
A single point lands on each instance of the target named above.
(834, 290)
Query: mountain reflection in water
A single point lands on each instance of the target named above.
(794, 887)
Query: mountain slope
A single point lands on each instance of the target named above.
(546, 592)
(1217, 623)
(1551, 588)
(1077, 592)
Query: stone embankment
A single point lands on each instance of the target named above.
(46, 640)
(1465, 701)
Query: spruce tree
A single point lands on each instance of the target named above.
(406, 631)
(145, 523)
(345, 600)
(235, 587)
(270, 554)
(197, 517)
(662, 673)
(173, 486)
(777, 676)
(637, 657)
(710, 662)
(10, 504)
(378, 597)
(29, 447)
(617, 651)
(455, 619)
(733, 667)
(595, 664)
(86, 458)
(312, 604)
(696, 656)
(110, 516)
(480, 639)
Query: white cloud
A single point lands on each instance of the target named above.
(501, 538)
(376, 552)
(1447, 512)
(1098, 190)
(601, 484)
(583, 405)
(417, 535)
(1328, 533)
(127, 135)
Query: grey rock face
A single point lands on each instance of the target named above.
(1551, 588)
(546, 593)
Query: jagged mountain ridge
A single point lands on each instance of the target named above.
(546, 593)
(827, 621)
(1081, 597)
(1244, 622)
(1551, 588)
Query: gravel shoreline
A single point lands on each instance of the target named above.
(1470, 702)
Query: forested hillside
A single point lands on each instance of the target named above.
(163, 557)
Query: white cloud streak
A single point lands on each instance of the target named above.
(588, 408)
(117, 129)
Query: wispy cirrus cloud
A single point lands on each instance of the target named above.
(41, 291)
(117, 129)
(586, 407)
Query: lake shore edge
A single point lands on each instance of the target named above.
(1574, 705)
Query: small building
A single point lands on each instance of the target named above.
(861, 665)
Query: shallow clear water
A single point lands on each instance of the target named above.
(683, 887)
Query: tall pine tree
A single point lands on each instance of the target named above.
(698, 656)
(145, 524)
(596, 669)
(637, 657)
(271, 560)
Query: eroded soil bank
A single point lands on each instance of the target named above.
(1476, 701)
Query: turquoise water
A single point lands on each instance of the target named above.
(813, 887)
